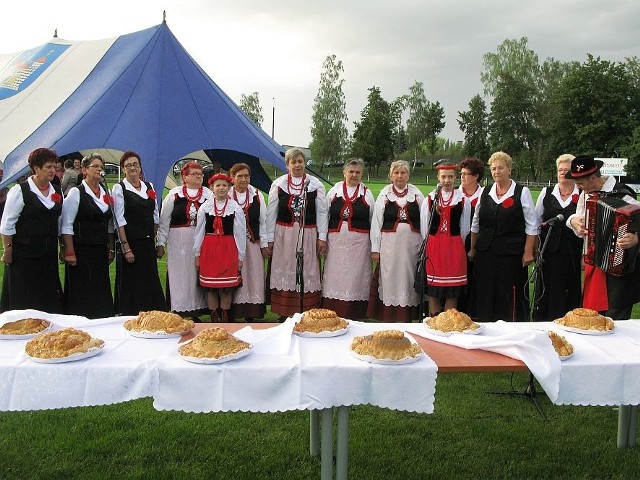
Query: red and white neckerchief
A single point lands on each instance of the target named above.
(293, 188)
(347, 209)
(218, 214)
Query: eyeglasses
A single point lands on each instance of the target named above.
(196, 175)
(95, 166)
(131, 166)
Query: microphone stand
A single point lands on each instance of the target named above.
(300, 248)
(535, 278)
(422, 257)
(119, 257)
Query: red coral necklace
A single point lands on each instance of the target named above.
(400, 194)
(189, 198)
(245, 203)
(293, 188)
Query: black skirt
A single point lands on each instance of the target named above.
(138, 287)
(87, 286)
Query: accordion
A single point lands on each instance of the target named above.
(606, 220)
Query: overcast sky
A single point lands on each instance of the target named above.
(277, 47)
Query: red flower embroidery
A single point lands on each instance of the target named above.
(474, 202)
(574, 198)
(152, 194)
(56, 197)
(507, 203)
(108, 199)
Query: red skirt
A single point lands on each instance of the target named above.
(219, 262)
(446, 263)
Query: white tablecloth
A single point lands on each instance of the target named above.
(316, 373)
(312, 374)
(124, 370)
(604, 370)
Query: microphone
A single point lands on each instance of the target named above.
(103, 174)
(553, 221)
(306, 183)
(437, 192)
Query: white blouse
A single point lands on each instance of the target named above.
(239, 225)
(71, 204)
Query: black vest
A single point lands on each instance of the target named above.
(454, 220)
(290, 205)
(561, 238)
(252, 215)
(392, 216)
(179, 215)
(227, 223)
(138, 212)
(90, 225)
(358, 220)
(501, 229)
(37, 226)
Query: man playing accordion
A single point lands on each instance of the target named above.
(612, 294)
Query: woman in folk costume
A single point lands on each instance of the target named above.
(249, 299)
(445, 217)
(347, 267)
(395, 246)
(284, 218)
(138, 286)
(471, 173)
(177, 229)
(29, 228)
(87, 233)
(219, 247)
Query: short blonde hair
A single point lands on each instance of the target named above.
(396, 164)
(505, 157)
(293, 153)
(564, 158)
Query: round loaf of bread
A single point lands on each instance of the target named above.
(213, 343)
(386, 345)
(319, 320)
(586, 319)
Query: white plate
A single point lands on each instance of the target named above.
(332, 333)
(70, 358)
(213, 361)
(386, 361)
(25, 336)
(583, 331)
(565, 357)
(148, 334)
(440, 333)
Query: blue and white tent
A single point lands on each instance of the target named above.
(140, 92)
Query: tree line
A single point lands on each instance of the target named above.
(533, 110)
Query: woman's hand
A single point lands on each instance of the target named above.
(197, 263)
(375, 257)
(129, 257)
(7, 257)
(264, 251)
(240, 265)
(159, 251)
(471, 255)
(70, 259)
(322, 248)
(269, 249)
(112, 255)
(527, 258)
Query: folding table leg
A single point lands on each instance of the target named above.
(623, 426)
(633, 425)
(314, 433)
(326, 444)
(342, 455)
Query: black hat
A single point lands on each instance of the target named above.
(583, 166)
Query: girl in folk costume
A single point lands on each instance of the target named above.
(347, 267)
(249, 300)
(177, 229)
(395, 245)
(471, 173)
(219, 247)
(445, 217)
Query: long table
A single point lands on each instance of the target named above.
(131, 368)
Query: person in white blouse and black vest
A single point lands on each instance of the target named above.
(395, 246)
(559, 285)
(347, 267)
(29, 231)
(504, 231)
(285, 210)
(138, 285)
